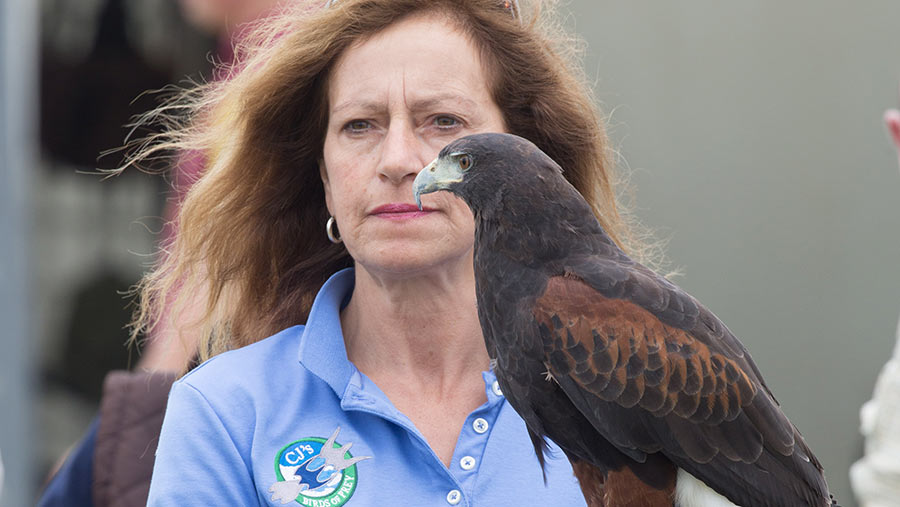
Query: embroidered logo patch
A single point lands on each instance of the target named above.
(315, 472)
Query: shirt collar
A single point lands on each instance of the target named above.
(322, 350)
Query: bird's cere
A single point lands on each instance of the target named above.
(437, 175)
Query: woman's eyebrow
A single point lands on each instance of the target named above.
(416, 105)
(365, 106)
(433, 101)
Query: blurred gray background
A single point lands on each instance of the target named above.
(752, 132)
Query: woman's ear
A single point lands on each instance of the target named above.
(323, 174)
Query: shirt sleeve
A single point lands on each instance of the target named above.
(197, 461)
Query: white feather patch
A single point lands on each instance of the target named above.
(692, 492)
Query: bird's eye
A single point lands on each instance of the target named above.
(465, 162)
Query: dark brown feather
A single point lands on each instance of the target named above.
(622, 488)
(592, 480)
(606, 346)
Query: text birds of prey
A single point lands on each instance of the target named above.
(653, 400)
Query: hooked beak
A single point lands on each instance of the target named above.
(440, 174)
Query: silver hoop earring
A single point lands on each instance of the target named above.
(330, 231)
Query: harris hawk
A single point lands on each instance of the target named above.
(651, 397)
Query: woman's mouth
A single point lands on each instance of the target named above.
(400, 211)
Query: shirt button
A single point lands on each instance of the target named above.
(454, 497)
(467, 462)
(480, 425)
(496, 388)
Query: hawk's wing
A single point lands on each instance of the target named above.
(654, 371)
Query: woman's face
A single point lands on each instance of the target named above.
(394, 101)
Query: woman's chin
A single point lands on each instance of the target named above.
(413, 260)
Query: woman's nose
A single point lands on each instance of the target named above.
(401, 154)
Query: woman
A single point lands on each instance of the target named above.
(332, 116)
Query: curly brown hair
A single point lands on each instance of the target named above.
(251, 250)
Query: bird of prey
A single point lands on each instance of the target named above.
(653, 400)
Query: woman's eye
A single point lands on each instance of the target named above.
(357, 126)
(446, 121)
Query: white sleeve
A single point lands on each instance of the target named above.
(876, 477)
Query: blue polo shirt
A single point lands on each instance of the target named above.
(290, 420)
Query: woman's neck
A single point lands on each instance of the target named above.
(422, 331)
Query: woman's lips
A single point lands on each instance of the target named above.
(400, 211)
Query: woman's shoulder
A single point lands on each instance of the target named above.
(246, 366)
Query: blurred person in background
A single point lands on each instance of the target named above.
(227, 20)
(112, 462)
(876, 477)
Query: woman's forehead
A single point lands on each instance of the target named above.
(415, 37)
(423, 58)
